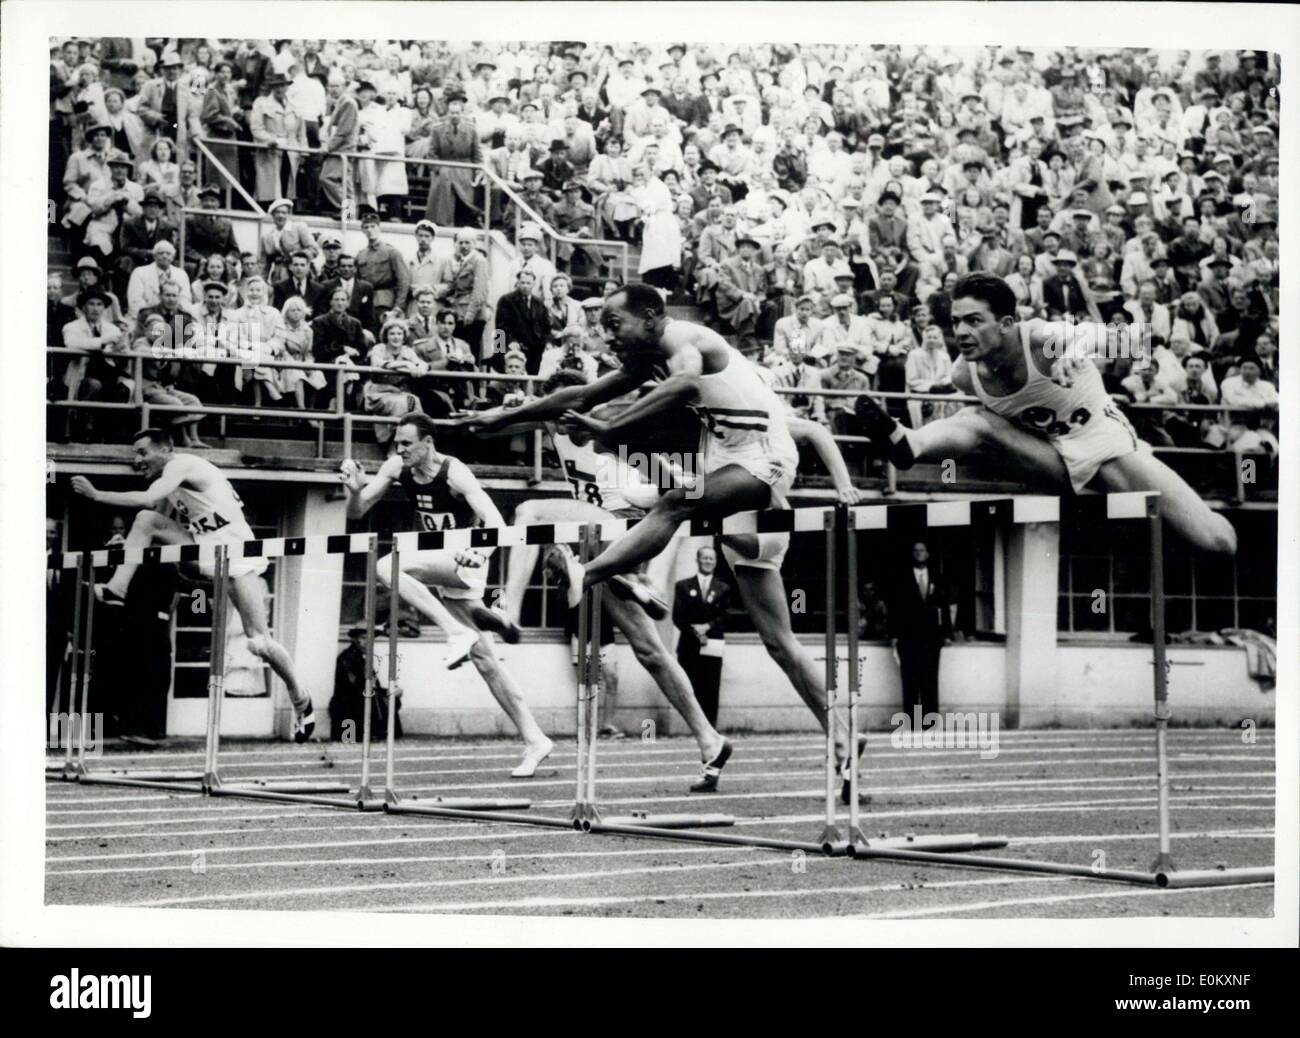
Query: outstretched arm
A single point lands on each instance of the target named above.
(154, 496)
(821, 440)
(571, 398)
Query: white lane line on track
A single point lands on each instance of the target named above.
(1193, 802)
(65, 793)
(617, 751)
(323, 845)
(415, 744)
(756, 861)
(522, 858)
(515, 904)
(922, 789)
(1019, 902)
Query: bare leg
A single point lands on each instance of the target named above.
(650, 652)
(763, 593)
(1028, 456)
(147, 529)
(500, 683)
(413, 592)
(246, 595)
(1180, 506)
(523, 557)
(729, 490)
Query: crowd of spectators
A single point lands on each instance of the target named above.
(817, 202)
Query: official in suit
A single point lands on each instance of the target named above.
(700, 613)
(920, 625)
(1063, 293)
(361, 293)
(522, 321)
(141, 233)
(299, 283)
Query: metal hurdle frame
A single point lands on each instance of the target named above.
(74, 768)
(482, 808)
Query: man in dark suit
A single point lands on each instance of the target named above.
(299, 283)
(206, 234)
(919, 625)
(141, 233)
(1063, 294)
(361, 294)
(452, 190)
(700, 612)
(337, 336)
(521, 319)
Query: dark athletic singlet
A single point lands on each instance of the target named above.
(437, 506)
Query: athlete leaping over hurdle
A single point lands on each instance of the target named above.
(1044, 406)
(749, 462)
(208, 511)
(446, 495)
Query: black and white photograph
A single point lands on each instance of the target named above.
(511, 465)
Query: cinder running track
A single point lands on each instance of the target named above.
(1061, 795)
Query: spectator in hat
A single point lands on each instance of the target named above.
(464, 289)
(533, 197)
(733, 160)
(383, 266)
(451, 201)
(86, 167)
(282, 239)
(531, 258)
(91, 275)
(112, 202)
(845, 328)
(167, 107)
(1063, 292)
(92, 376)
(206, 233)
(556, 169)
(926, 236)
(383, 130)
(275, 125)
(609, 180)
(574, 217)
(742, 293)
(140, 233)
(340, 133)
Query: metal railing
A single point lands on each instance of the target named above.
(339, 415)
(486, 174)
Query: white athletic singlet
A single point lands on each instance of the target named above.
(1080, 421)
(742, 417)
(205, 512)
(596, 477)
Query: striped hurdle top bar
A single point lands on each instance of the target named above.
(894, 516)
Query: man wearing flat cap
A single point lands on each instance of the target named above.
(83, 169)
(742, 294)
(206, 232)
(452, 191)
(383, 266)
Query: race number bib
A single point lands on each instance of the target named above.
(584, 484)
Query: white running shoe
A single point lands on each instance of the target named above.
(459, 646)
(573, 574)
(532, 758)
(304, 724)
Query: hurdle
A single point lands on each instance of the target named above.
(74, 767)
(497, 808)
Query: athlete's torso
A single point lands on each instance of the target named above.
(436, 505)
(211, 509)
(593, 476)
(1042, 406)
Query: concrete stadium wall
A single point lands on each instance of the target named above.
(1098, 686)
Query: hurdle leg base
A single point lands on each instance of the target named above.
(832, 840)
(1163, 864)
(584, 816)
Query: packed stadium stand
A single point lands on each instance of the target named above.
(278, 248)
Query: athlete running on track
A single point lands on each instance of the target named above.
(208, 512)
(749, 461)
(1043, 404)
(446, 495)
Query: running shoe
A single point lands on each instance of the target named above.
(713, 770)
